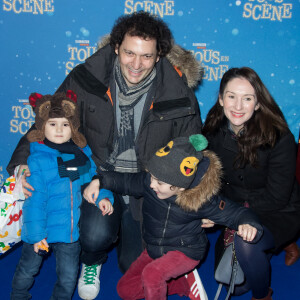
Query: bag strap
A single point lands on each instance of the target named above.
(234, 270)
(231, 284)
(218, 291)
(232, 279)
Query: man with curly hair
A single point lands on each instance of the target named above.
(135, 94)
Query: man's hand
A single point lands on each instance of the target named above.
(247, 232)
(25, 172)
(106, 207)
(91, 192)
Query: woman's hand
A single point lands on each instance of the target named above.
(91, 192)
(106, 207)
(247, 232)
(206, 223)
(25, 172)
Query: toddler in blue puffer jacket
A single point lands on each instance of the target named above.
(60, 166)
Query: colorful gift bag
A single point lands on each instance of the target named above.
(11, 203)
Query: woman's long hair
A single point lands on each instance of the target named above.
(261, 130)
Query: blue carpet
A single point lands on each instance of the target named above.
(285, 280)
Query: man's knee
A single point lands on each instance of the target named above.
(96, 241)
(98, 232)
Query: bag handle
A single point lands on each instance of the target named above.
(230, 242)
(218, 291)
(18, 190)
(231, 284)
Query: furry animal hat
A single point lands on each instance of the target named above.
(60, 105)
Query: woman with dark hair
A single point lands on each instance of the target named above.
(247, 130)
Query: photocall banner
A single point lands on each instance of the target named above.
(43, 40)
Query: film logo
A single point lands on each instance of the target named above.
(273, 10)
(35, 7)
(162, 8)
(213, 63)
(78, 54)
(23, 117)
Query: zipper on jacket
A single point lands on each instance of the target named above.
(165, 227)
(72, 217)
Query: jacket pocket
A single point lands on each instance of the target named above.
(194, 242)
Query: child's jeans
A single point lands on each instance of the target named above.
(67, 264)
(153, 279)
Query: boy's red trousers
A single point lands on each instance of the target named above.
(154, 279)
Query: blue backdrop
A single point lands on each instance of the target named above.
(42, 40)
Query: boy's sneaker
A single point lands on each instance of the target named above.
(197, 291)
(89, 283)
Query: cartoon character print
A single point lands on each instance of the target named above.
(165, 150)
(188, 165)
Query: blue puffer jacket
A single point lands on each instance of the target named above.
(53, 210)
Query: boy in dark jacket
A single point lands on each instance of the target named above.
(60, 164)
(180, 189)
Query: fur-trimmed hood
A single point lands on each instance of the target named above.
(209, 185)
(183, 60)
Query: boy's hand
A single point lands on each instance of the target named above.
(25, 172)
(247, 232)
(91, 192)
(106, 207)
(206, 223)
(43, 245)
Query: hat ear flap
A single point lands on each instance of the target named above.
(77, 137)
(33, 97)
(71, 95)
(35, 136)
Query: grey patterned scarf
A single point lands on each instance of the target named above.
(123, 158)
(129, 95)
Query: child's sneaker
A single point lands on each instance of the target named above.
(197, 291)
(89, 283)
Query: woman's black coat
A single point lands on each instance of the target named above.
(270, 189)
